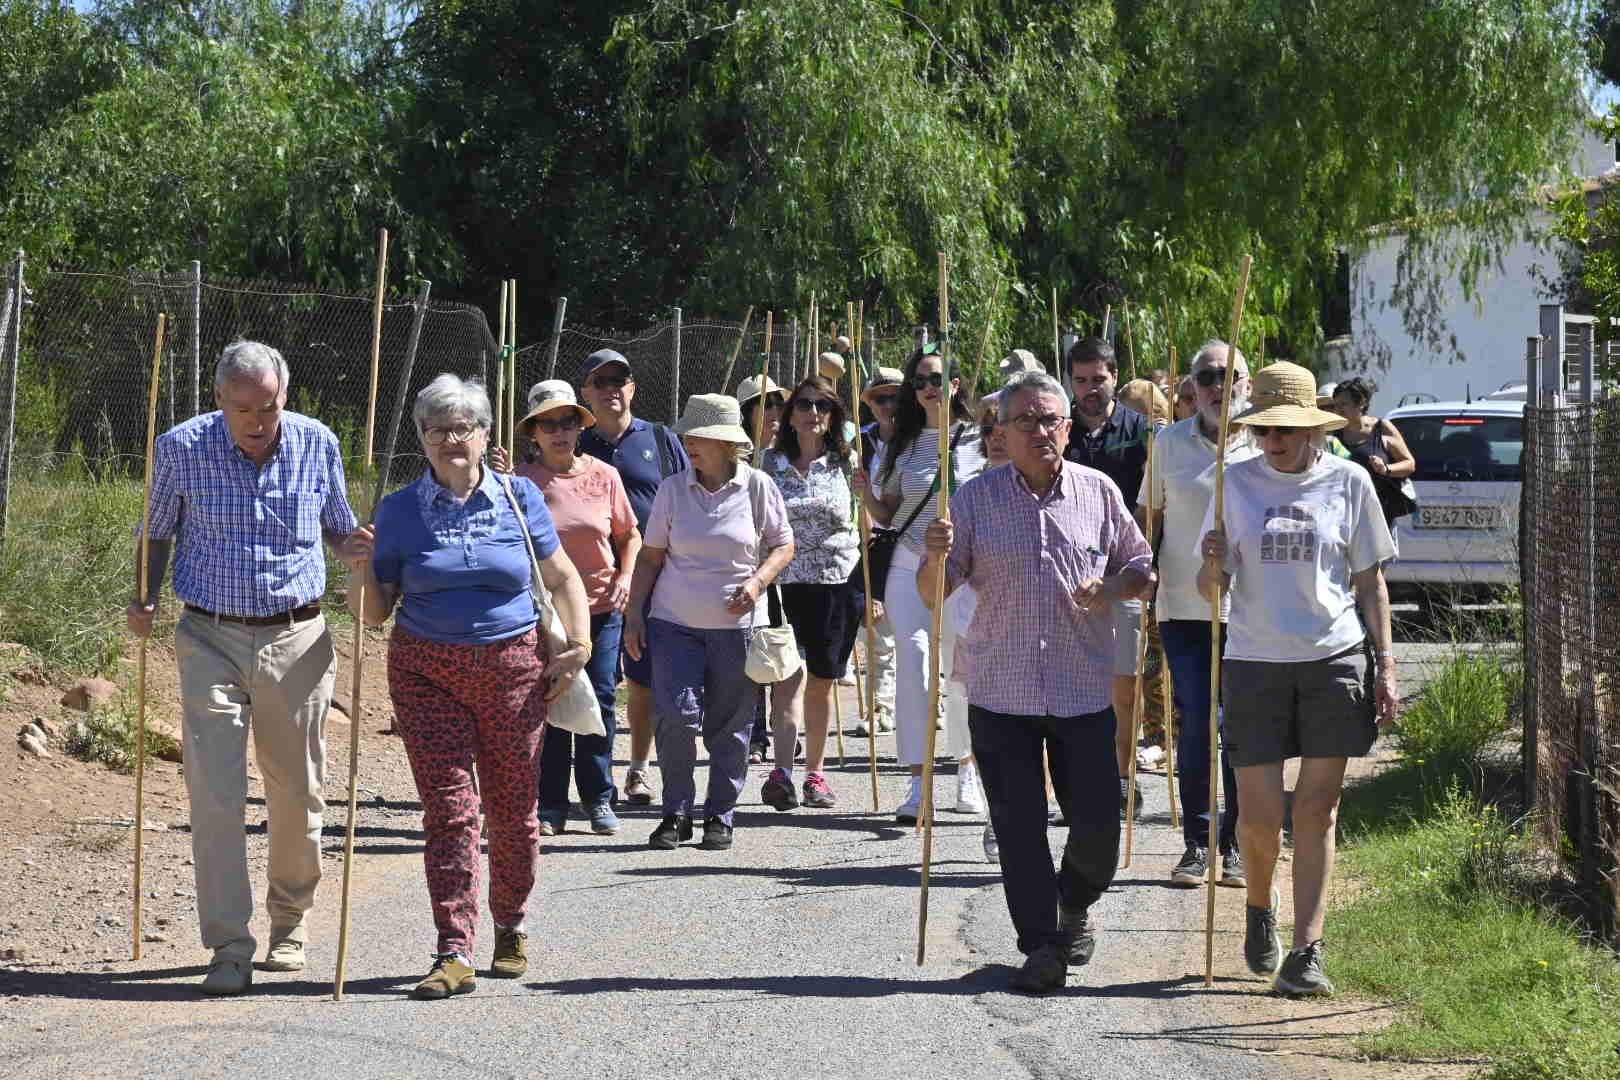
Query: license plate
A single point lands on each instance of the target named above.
(1459, 517)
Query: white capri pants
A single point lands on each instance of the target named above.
(913, 623)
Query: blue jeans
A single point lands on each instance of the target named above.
(590, 756)
(1186, 646)
(699, 689)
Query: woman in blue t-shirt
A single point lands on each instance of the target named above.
(467, 670)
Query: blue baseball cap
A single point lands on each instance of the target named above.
(601, 358)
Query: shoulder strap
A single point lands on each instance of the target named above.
(933, 488)
(666, 452)
(536, 586)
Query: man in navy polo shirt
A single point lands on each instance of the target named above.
(1112, 439)
(644, 453)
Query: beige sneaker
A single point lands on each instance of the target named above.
(227, 975)
(450, 975)
(511, 954)
(284, 955)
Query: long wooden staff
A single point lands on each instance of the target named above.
(925, 812)
(356, 681)
(140, 670)
(731, 364)
(864, 528)
(1057, 342)
(1215, 624)
(759, 409)
(1142, 628)
(511, 371)
(376, 352)
(1108, 320)
(496, 436)
(1164, 655)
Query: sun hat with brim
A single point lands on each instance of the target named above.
(1019, 360)
(748, 389)
(713, 416)
(1284, 395)
(830, 360)
(882, 379)
(552, 395)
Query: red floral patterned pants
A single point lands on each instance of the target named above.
(454, 704)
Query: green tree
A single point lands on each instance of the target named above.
(51, 59)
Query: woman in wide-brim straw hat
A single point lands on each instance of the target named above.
(591, 509)
(748, 399)
(717, 536)
(1309, 671)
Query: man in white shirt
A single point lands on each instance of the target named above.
(1183, 487)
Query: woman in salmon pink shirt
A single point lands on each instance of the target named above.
(591, 510)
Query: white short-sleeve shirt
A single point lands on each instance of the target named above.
(1183, 486)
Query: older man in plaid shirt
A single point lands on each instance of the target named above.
(1048, 546)
(246, 496)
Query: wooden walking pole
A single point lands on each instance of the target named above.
(140, 669)
(1141, 649)
(1057, 342)
(1108, 320)
(495, 437)
(863, 530)
(376, 349)
(759, 409)
(1215, 625)
(925, 811)
(1130, 350)
(357, 679)
(511, 372)
(1164, 655)
(731, 364)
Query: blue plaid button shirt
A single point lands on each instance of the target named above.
(1033, 651)
(249, 537)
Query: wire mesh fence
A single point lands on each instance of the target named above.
(1571, 583)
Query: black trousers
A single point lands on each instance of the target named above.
(1010, 751)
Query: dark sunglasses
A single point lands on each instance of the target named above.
(1262, 430)
(1209, 376)
(821, 405)
(922, 382)
(608, 382)
(571, 422)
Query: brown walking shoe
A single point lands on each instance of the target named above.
(450, 975)
(511, 954)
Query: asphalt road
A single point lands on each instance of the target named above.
(791, 955)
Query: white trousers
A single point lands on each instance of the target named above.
(913, 623)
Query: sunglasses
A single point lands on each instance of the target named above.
(820, 405)
(1262, 430)
(884, 401)
(922, 382)
(1207, 377)
(571, 422)
(609, 382)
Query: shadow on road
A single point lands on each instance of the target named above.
(173, 984)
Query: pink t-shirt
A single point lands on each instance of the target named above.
(592, 513)
(711, 544)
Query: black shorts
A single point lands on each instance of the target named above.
(825, 619)
(1316, 708)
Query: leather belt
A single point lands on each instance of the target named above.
(286, 618)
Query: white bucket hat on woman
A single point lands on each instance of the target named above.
(552, 395)
(713, 416)
(748, 390)
(1284, 395)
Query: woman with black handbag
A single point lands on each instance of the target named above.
(1377, 446)
(905, 490)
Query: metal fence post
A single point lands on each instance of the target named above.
(1591, 742)
(556, 335)
(13, 340)
(675, 373)
(418, 313)
(195, 395)
(1552, 358)
(1530, 752)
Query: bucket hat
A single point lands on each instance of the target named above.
(552, 395)
(748, 390)
(713, 416)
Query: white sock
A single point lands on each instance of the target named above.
(640, 766)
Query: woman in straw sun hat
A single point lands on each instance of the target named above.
(748, 399)
(591, 510)
(1309, 671)
(717, 536)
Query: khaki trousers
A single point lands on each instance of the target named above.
(278, 681)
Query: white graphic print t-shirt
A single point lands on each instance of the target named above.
(1293, 542)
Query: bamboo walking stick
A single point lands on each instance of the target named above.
(1057, 342)
(864, 530)
(511, 373)
(496, 438)
(925, 811)
(140, 670)
(742, 336)
(1108, 320)
(1164, 655)
(1141, 649)
(376, 351)
(357, 679)
(1215, 625)
(759, 409)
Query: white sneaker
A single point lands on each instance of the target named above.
(885, 719)
(992, 846)
(969, 796)
(906, 813)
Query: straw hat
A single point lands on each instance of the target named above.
(1019, 360)
(554, 394)
(830, 360)
(748, 389)
(713, 416)
(882, 379)
(1284, 395)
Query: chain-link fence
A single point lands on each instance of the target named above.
(1571, 582)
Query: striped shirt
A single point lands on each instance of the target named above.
(1033, 651)
(248, 537)
(912, 478)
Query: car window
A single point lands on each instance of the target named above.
(1464, 447)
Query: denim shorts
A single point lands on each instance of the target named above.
(1312, 708)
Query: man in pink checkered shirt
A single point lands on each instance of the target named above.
(1048, 546)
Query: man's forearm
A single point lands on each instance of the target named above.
(157, 565)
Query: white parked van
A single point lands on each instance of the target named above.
(1463, 539)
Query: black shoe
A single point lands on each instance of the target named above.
(716, 835)
(1262, 948)
(1193, 868)
(671, 832)
(1301, 973)
(1082, 939)
(1044, 969)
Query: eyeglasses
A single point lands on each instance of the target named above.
(922, 382)
(820, 405)
(461, 433)
(1028, 422)
(608, 382)
(571, 422)
(1262, 430)
(884, 401)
